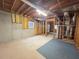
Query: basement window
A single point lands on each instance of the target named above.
(30, 24)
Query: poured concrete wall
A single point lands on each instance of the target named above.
(9, 31)
(5, 27)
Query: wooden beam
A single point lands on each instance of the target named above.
(3, 3)
(24, 12)
(6, 4)
(64, 3)
(13, 5)
(30, 12)
(69, 3)
(22, 6)
(59, 4)
(76, 36)
(6, 9)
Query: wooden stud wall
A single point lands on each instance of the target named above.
(52, 20)
(77, 31)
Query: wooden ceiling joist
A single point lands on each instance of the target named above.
(13, 5)
(30, 12)
(69, 3)
(3, 3)
(16, 5)
(8, 1)
(21, 8)
(63, 3)
(33, 14)
(26, 10)
(6, 9)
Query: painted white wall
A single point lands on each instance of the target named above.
(9, 31)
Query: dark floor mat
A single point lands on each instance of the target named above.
(57, 49)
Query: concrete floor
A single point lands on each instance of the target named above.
(23, 49)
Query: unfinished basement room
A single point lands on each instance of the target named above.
(39, 29)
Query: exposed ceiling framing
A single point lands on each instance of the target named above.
(26, 10)
(20, 7)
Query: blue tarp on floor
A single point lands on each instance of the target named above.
(57, 49)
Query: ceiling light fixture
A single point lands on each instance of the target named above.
(38, 9)
(40, 12)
